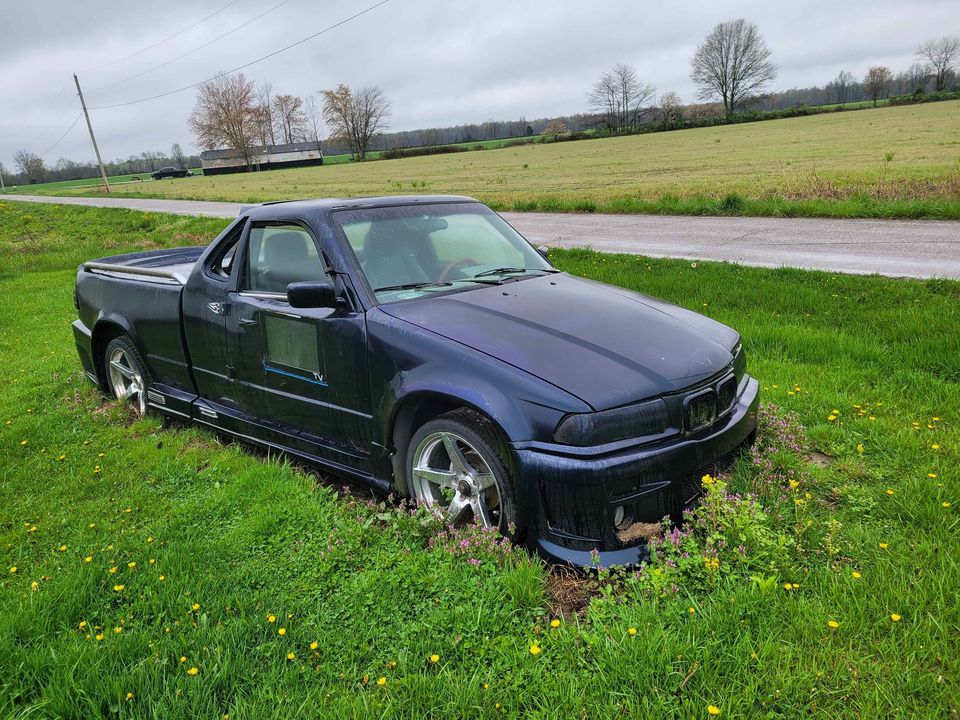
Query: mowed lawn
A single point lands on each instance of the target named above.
(151, 569)
(892, 161)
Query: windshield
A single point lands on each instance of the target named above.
(410, 251)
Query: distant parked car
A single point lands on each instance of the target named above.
(169, 172)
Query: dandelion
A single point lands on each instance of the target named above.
(794, 484)
(632, 631)
(23, 442)
(34, 586)
(131, 565)
(888, 491)
(118, 588)
(33, 528)
(392, 664)
(434, 659)
(63, 548)
(707, 480)
(162, 578)
(129, 696)
(381, 681)
(291, 656)
(183, 659)
(62, 458)
(860, 448)
(555, 623)
(282, 631)
(787, 586)
(935, 446)
(98, 637)
(535, 650)
(88, 559)
(149, 539)
(884, 546)
(314, 645)
(831, 418)
(151, 561)
(113, 570)
(117, 630)
(692, 611)
(713, 710)
(271, 618)
(833, 624)
(936, 419)
(945, 503)
(192, 671)
(931, 475)
(13, 569)
(82, 625)
(872, 417)
(895, 617)
(855, 575)
(92, 525)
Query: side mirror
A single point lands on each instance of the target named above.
(543, 250)
(311, 295)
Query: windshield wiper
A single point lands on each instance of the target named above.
(412, 286)
(501, 271)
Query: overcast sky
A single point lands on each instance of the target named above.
(440, 63)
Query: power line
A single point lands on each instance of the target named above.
(248, 64)
(161, 42)
(189, 52)
(79, 115)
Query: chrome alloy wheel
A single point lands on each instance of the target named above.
(126, 381)
(451, 477)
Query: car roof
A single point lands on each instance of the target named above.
(303, 208)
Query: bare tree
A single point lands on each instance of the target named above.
(31, 165)
(265, 113)
(875, 81)
(176, 154)
(617, 97)
(671, 110)
(555, 128)
(732, 64)
(289, 117)
(314, 115)
(842, 85)
(225, 115)
(942, 55)
(354, 117)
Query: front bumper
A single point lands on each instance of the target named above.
(573, 496)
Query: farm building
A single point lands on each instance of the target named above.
(269, 157)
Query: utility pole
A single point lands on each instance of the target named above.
(2, 188)
(96, 150)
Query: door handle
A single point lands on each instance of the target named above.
(246, 321)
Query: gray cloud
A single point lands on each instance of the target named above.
(440, 63)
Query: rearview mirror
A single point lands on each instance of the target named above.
(311, 295)
(543, 250)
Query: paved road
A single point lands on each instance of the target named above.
(912, 248)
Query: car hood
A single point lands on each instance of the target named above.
(605, 345)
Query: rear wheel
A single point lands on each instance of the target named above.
(127, 374)
(459, 466)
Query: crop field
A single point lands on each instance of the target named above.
(890, 162)
(153, 569)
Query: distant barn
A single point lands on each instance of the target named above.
(270, 157)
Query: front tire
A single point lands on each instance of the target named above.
(127, 374)
(459, 466)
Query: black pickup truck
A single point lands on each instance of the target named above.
(422, 346)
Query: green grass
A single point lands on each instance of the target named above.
(53, 188)
(890, 162)
(245, 536)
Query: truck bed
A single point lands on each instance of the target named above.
(172, 265)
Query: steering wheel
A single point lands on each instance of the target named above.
(460, 262)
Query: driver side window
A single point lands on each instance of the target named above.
(278, 255)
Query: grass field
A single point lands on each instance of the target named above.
(55, 188)
(891, 162)
(148, 567)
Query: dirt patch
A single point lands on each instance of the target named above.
(819, 459)
(570, 591)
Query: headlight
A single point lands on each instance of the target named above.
(646, 418)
